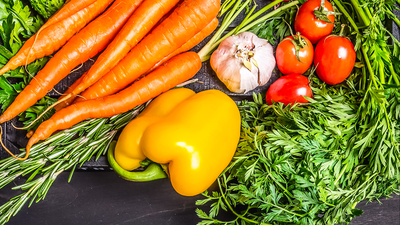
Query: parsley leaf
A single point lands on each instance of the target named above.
(46, 8)
(8, 93)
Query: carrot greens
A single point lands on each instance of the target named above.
(297, 165)
(313, 164)
(234, 8)
(46, 8)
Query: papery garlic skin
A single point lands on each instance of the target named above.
(228, 62)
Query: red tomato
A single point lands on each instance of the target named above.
(286, 56)
(334, 58)
(289, 89)
(308, 25)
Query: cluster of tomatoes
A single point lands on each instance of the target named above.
(334, 56)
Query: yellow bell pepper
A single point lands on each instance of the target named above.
(195, 134)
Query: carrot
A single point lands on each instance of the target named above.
(67, 10)
(166, 15)
(138, 25)
(186, 47)
(186, 21)
(84, 45)
(55, 36)
(191, 43)
(175, 71)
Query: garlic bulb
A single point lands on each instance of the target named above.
(243, 62)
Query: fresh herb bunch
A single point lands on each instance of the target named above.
(63, 151)
(16, 23)
(291, 163)
(376, 77)
(312, 163)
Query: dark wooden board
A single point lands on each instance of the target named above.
(97, 195)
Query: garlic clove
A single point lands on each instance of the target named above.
(232, 82)
(265, 59)
(243, 62)
(248, 80)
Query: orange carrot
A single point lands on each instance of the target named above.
(138, 25)
(177, 70)
(166, 15)
(84, 45)
(186, 47)
(55, 36)
(67, 10)
(186, 21)
(191, 43)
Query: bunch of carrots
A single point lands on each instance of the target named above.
(144, 44)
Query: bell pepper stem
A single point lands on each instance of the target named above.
(152, 172)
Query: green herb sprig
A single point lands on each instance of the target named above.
(63, 151)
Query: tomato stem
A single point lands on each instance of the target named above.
(323, 14)
(298, 43)
(342, 30)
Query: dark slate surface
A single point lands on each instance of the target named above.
(103, 198)
(97, 195)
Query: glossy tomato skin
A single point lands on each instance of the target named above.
(289, 89)
(334, 59)
(311, 27)
(286, 56)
